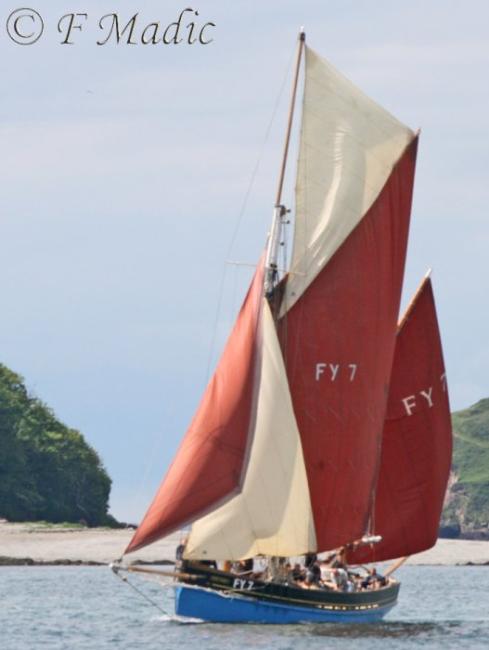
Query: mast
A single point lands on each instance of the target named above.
(279, 210)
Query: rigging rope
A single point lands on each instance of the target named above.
(241, 214)
(152, 456)
(115, 571)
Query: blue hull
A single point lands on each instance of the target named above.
(215, 608)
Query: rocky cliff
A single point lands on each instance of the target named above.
(466, 511)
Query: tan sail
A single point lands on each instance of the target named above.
(348, 147)
(272, 515)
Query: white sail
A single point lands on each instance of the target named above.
(348, 147)
(272, 514)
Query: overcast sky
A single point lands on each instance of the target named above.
(124, 170)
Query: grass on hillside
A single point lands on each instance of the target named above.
(471, 465)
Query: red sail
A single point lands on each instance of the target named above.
(209, 463)
(417, 440)
(338, 341)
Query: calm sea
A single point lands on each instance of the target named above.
(68, 608)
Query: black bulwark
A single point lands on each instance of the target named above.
(194, 573)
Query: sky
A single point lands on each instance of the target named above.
(132, 175)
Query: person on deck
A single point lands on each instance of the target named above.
(243, 567)
(340, 559)
(327, 574)
(313, 575)
(371, 581)
(297, 574)
(341, 579)
(309, 559)
(180, 551)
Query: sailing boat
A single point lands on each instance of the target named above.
(326, 424)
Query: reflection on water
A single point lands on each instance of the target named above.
(383, 630)
(379, 630)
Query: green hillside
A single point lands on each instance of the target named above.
(47, 470)
(468, 500)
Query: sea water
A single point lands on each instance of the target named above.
(71, 608)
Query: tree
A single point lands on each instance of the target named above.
(47, 470)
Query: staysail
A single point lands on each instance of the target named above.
(272, 514)
(417, 440)
(342, 295)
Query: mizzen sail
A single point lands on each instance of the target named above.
(416, 442)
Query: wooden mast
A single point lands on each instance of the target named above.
(279, 210)
(300, 47)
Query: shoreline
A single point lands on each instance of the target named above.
(37, 544)
(29, 562)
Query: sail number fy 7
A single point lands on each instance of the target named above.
(333, 371)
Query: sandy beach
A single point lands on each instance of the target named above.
(39, 543)
(58, 544)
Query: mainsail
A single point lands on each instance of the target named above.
(341, 299)
(416, 442)
(282, 455)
